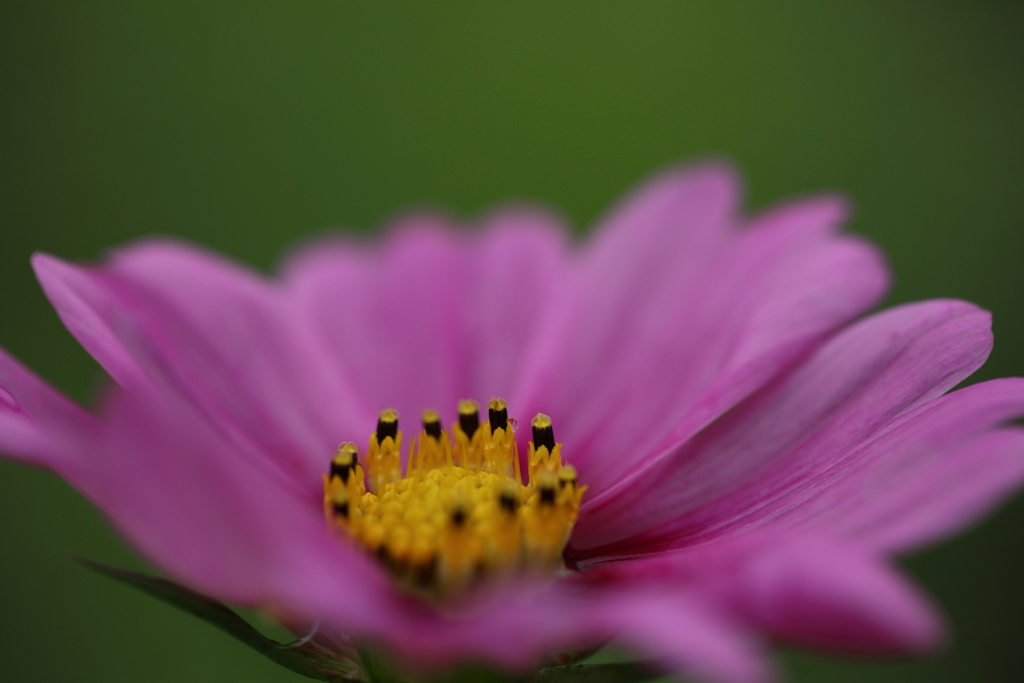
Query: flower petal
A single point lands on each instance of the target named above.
(733, 474)
(512, 629)
(37, 423)
(678, 315)
(216, 334)
(943, 467)
(208, 514)
(644, 261)
(797, 588)
(89, 306)
(826, 596)
(669, 623)
(674, 626)
(433, 315)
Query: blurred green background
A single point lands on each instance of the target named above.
(247, 126)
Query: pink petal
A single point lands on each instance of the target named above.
(825, 596)
(207, 512)
(433, 315)
(37, 423)
(696, 641)
(679, 314)
(512, 630)
(669, 623)
(667, 353)
(947, 464)
(643, 264)
(799, 589)
(216, 334)
(87, 304)
(210, 516)
(853, 388)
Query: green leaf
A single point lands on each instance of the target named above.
(309, 659)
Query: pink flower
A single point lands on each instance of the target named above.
(754, 458)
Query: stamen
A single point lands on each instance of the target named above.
(469, 417)
(432, 450)
(336, 505)
(543, 432)
(547, 488)
(385, 462)
(343, 485)
(461, 513)
(345, 461)
(545, 454)
(509, 500)
(497, 414)
(432, 423)
(387, 424)
(567, 477)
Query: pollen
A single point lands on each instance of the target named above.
(462, 512)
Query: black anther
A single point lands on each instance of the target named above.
(544, 436)
(508, 502)
(433, 428)
(547, 495)
(341, 509)
(386, 429)
(469, 423)
(339, 470)
(498, 418)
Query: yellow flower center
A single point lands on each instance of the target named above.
(461, 512)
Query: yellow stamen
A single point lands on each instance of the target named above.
(344, 487)
(544, 454)
(385, 461)
(468, 435)
(461, 512)
(433, 449)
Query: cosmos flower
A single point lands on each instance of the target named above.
(753, 455)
